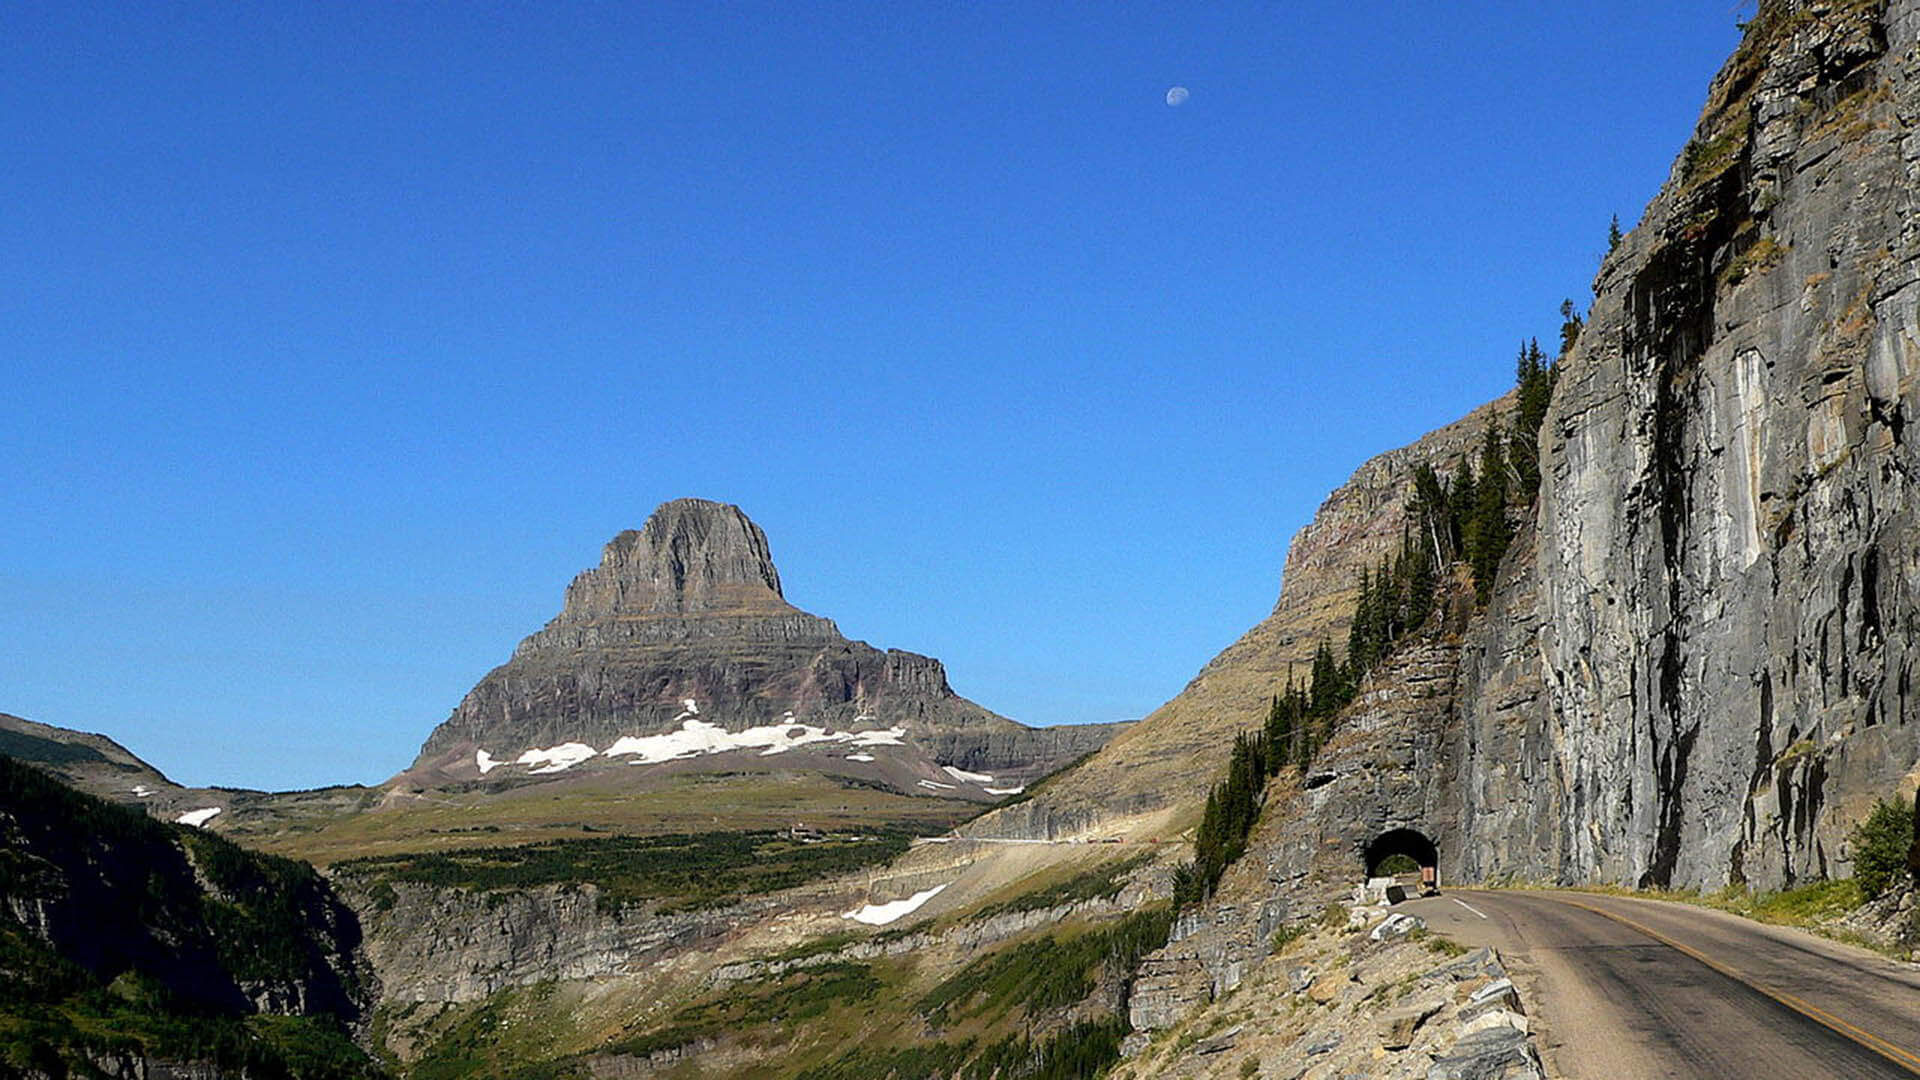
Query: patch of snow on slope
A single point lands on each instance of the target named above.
(691, 705)
(967, 777)
(141, 791)
(1006, 790)
(198, 818)
(859, 757)
(554, 759)
(938, 787)
(697, 737)
(484, 762)
(882, 914)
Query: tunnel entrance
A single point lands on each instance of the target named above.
(1403, 851)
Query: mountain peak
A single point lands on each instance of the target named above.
(692, 556)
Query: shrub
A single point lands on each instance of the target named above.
(1880, 847)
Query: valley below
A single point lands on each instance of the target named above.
(1541, 691)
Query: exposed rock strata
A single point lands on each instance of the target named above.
(1695, 666)
(689, 608)
(1728, 557)
(449, 945)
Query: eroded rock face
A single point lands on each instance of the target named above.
(1695, 666)
(1728, 554)
(689, 608)
(450, 945)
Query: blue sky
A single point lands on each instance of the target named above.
(338, 337)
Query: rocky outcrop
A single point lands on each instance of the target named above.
(689, 609)
(1728, 538)
(1694, 668)
(432, 944)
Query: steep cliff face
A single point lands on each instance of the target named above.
(1728, 548)
(1694, 667)
(684, 620)
(448, 945)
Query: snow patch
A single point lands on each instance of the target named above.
(556, 758)
(697, 737)
(859, 757)
(967, 777)
(1006, 790)
(939, 787)
(198, 818)
(484, 762)
(882, 914)
(141, 791)
(691, 706)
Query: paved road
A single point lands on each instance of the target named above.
(1625, 989)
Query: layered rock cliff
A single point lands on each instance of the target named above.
(1728, 547)
(684, 619)
(1694, 666)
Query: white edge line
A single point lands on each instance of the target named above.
(1468, 906)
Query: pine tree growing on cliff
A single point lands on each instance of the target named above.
(1614, 236)
(1488, 531)
(1463, 492)
(1571, 323)
(1533, 391)
(1279, 729)
(1430, 512)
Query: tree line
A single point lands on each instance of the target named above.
(1463, 518)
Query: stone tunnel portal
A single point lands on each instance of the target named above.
(1409, 844)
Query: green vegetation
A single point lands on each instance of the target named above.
(679, 872)
(1077, 1053)
(1435, 943)
(1465, 519)
(1233, 806)
(1397, 864)
(1881, 846)
(54, 1016)
(179, 895)
(19, 744)
(1001, 1016)
(484, 1042)
(1614, 235)
(1100, 883)
(793, 998)
(1047, 972)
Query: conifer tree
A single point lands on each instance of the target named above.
(1614, 235)
(1488, 531)
(1571, 324)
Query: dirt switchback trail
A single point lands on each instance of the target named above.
(1624, 989)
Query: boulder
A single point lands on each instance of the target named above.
(1500, 1053)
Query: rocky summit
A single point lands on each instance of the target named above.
(680, 646)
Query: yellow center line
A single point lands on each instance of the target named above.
(1903, 1058)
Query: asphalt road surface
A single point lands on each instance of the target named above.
(1625, 989)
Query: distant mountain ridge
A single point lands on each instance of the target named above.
(680, 644)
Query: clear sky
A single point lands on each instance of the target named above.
(336, 337)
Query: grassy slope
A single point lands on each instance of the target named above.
(942, 1005)
(687, 803)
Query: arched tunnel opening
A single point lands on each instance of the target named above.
(1403, 851)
